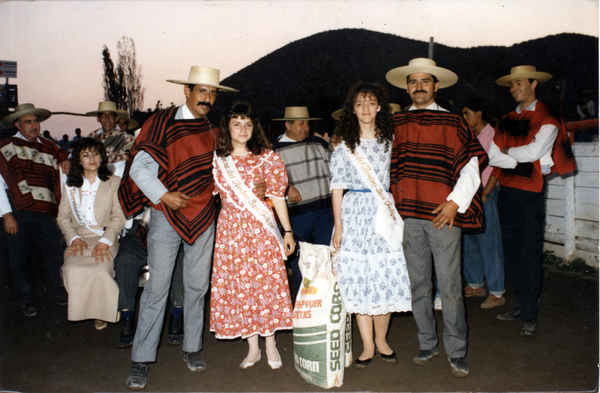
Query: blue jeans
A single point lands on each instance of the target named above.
(482, 253)
(314, 227)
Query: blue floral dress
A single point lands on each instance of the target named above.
(372, 278)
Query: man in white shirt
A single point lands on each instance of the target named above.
(435, 176)
(523, 152)
(29, 197)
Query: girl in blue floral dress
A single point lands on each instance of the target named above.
(372, 276)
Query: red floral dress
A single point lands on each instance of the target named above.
(249, 290)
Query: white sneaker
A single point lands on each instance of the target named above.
(437, 304)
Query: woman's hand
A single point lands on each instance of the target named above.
(336, 241)
(77, 245)
(101, 251)
(289, 244)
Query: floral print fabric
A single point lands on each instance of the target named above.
(373, 279)
(249, 291)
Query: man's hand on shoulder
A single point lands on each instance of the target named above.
(10, 224)
(175, 200)
(65, 165)
(334, 142)
(293, 194)
(447, 211)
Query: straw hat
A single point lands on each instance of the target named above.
(200, 75)
(296, 113)
(26, 109)
(104, 106)
(122, 114)
(397, 76)
(337, 115)
(523, 72)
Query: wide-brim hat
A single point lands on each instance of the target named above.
(296, 113)
(523, 72)
(122, 114)
(104, 106)
(337, 115)
(397, 76)
(26, 109)
(200, 75)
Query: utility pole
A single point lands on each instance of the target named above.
(431, 48)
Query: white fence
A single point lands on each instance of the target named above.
(572, 208)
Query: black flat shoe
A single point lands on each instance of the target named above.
(391, 358)
(364, 363)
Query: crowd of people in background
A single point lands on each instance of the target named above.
(417, 201)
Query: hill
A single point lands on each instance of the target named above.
(317, 71)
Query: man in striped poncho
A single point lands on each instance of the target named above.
(170, 170)
(435, 177)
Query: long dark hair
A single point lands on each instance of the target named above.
(75, 176)
(349, 129)
(257, 142)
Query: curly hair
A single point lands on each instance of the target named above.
(257, 142)
(75, 176)
(349, 129)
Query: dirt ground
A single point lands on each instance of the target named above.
(47, 353)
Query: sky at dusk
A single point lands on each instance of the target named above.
(58, 44)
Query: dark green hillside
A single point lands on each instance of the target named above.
(318, 70)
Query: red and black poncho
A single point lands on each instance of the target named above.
(183, 150)
(30, 170)
(430, 148)
(519, 129)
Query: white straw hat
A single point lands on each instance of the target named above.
(397, 76)
(523, 72)
(200, 75)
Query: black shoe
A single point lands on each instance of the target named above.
(459, 367)
(426, 356)
(364, 363)
(29, 310)
(137, 375)
(510, 316)
(127, 332)
(391, 358)
(175, 336)
(194, 362)
(528, 328)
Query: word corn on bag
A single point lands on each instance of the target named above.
(322, 328)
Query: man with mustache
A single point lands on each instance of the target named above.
(436, 160)
(170, 170)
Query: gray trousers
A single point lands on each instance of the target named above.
(163, 245)
(421, 242)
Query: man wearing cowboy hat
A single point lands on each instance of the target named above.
(528, 145)
(125, 123)
(113, 138)
(171, 170)
(309, 198)
(435, 176)
(29, 197)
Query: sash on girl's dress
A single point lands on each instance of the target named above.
(249, 200)
(72, 193)
(388, 223)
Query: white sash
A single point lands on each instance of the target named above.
(388, 222)
(249, 200)
(72, 193)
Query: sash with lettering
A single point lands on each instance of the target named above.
(254, 205)
(388, 222)
(73, 197)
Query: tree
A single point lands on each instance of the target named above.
(123, 84)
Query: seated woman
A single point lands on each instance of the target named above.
(91, 219)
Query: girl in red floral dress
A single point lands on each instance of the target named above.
(249, 292)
